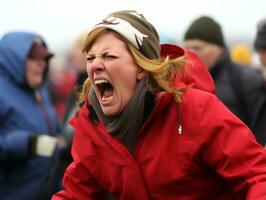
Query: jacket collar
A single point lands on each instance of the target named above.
(221, 64)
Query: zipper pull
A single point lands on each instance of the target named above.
(38, 96)
(179, 129)
(179, 124)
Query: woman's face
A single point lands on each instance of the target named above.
(209, 53)
(113, 73)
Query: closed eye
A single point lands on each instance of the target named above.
(90, 58)
(105, 56)
(109, 57)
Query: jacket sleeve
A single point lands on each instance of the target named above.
(78, 183)
(13, 144)
(231, 149)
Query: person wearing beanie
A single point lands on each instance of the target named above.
(204, 36)
(29, 126)
(150, 126)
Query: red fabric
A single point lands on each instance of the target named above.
(215, 156)
(63, 83)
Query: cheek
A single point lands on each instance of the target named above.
(209, 57)
(203, 57)
(127, 82)
(29, 72)
(88, 69)
(263, 58)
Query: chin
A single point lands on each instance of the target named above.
(35, 85)
(111, 111)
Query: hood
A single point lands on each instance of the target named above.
(14, 50)
(196, 73)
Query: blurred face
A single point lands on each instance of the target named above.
(112, 72)
(208, 53)
(262, 56)
(78, 59)
(34, 72)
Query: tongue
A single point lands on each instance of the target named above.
(108, 92)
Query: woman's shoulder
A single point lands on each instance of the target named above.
(201, 109)
(195, 97)
(204, 112)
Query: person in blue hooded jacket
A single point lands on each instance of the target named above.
(29, 152)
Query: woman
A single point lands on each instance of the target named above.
(147, 130)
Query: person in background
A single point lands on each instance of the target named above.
(61, 80)
(259, 125)
(150, 126)
(77, 62)
(237, 86)
(240, 53)
(29, 156)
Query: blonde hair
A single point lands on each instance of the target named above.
(161, 71)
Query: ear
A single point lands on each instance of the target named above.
(141, 74)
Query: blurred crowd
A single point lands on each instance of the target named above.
(35, 135)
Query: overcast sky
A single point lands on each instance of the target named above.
(60, 21)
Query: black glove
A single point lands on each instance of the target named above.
(32, 146)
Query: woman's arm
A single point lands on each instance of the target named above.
(79, 184)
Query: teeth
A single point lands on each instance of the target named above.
(100, 81)
(106, 98)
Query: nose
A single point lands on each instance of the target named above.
(95, 66)
(41, 63)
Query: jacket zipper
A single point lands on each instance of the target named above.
(38, 98)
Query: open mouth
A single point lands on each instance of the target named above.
(105, 89)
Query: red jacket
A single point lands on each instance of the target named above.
(215, 156)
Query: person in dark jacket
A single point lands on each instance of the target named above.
(151, 127)
(239, 87)
(29, 156)
(259, 124)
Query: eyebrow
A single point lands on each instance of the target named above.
(104, 52)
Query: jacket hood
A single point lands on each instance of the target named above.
(14, 50)
(196, 73)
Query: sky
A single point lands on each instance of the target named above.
(61, 21)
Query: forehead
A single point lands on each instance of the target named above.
(195, 42)
(261, 50)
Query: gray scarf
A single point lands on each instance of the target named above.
(125, 126)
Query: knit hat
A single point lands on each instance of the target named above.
(205, 28)
(260, 41)
(136, 29)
